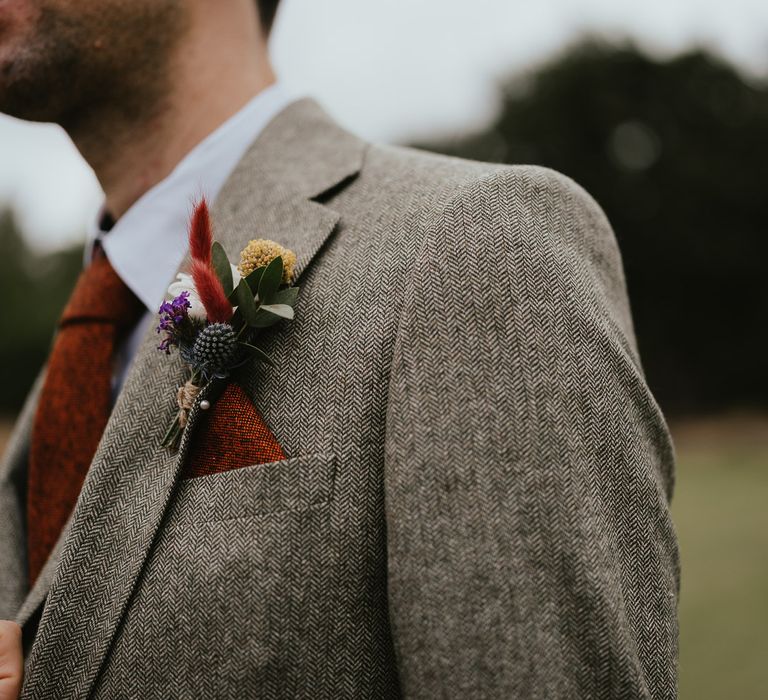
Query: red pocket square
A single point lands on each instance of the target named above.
(230, 435)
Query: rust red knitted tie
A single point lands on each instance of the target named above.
(75, 402)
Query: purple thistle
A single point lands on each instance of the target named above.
(174, 321)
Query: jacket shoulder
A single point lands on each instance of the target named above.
(442, 181)
(531, 216)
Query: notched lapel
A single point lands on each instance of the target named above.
(299, 157)
(275, 189)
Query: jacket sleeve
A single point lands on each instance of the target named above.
(528, 468)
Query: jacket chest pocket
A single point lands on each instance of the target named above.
(236, 584)
(292, 484)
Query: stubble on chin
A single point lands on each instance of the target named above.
(32, 66)
(105, 60)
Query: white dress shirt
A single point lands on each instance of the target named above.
(148, 243)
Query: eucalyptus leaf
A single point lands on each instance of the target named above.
(245, 302)
(264, 319)
(282, 310)
(236, 321)
(284, 296)
(258, 352)
(254, 278)
(271, 279)
(222, 267)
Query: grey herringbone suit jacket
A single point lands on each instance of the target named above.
(474, 503)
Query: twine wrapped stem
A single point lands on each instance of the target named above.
(185, 398)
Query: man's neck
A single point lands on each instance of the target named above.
(131, 157)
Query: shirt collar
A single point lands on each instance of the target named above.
(148, 243)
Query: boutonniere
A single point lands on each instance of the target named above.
(217, 310)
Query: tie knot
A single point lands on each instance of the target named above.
(100, 295)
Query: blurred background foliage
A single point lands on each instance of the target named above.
(676, 152)
(34, 286)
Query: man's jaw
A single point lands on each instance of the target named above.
(17, 18)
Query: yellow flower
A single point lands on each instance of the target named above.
(261, 252)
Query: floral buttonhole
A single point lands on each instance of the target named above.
(217, 311)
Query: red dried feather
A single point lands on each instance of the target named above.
(207, 284)
(201, 233)
(211, 293)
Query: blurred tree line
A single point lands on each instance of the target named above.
(35, 288)
(676, 152)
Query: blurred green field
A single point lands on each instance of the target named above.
(721, 514)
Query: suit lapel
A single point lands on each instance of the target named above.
(274, 190)
(39, 590)
(300, 156)
(18, 455)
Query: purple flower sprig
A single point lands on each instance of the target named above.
(175, 322)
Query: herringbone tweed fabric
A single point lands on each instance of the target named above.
(475, 498)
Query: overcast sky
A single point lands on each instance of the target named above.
(394, 69)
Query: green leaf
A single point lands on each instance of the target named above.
(271, 279)
(284, 296)
(254, 278)
(282, 310)
(258, 352)
(222, 267)
(264, 319)
(245, 303)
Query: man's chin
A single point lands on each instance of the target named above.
(22, 96)
(18, 56)
(22, 102)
